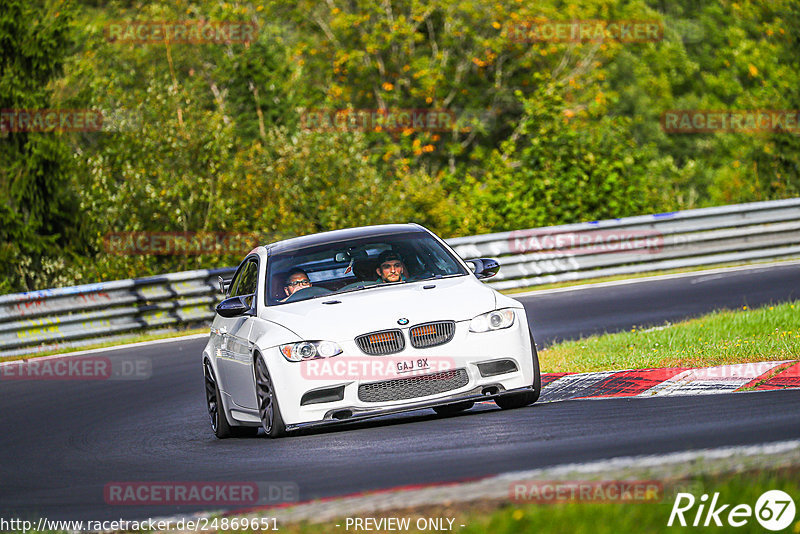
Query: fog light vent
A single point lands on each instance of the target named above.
(497, 367)
(320, 396)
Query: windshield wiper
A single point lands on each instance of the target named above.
(357, 288)
(439, 277)
(370, 286)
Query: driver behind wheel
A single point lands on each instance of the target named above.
(296, 280)
(391, 267)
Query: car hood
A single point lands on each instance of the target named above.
(379, 308)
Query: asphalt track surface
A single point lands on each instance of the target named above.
(63, 441)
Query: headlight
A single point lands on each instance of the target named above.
(494, 320)
(309, 350)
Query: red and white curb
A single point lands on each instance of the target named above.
(564, 386)
(669, 382)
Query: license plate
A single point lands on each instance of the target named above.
(411, 366)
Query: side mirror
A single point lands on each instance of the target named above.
(234, 306)
(484, 267)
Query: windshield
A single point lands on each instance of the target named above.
(357, 264)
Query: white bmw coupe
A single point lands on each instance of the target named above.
(359, 323)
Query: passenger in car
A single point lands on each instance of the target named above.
(391, 267)
(296, 280)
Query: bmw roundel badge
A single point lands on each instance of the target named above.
(402, 321)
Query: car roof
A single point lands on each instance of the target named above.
(342, 235)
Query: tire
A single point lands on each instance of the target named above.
(451, 409)
(219, 423)
(268, 409)
(524, 398)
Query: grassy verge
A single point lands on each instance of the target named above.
(134, 338)
(590, 517)
(587, 517)
(611, 518)
(724, 337)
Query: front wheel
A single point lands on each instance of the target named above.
(271, 419)
(219, 423)
(524, 398)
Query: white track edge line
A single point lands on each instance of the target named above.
(105, 349)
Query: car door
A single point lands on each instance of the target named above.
(234, 356)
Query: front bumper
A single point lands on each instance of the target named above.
(465, 352)
(336, 416)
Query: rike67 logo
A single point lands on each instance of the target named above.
(774, 510)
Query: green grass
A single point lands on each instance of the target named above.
(732, 336)
(615, 518)
(506, 516)
(591, 517)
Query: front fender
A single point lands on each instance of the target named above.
(266, 335)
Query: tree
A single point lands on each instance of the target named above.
(38, 208)
(560, 166)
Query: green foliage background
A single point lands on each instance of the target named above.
(208, 137)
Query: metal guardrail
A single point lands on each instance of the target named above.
(708, 236)
(74, 316)
(69, 316)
